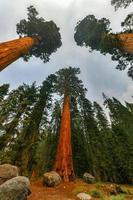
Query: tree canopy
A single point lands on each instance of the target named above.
(68, 83)
(97, 35)
(121, 3)
(127, 24)
(46, 33)
(90, 32)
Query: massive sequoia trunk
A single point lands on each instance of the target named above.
(126, 42)
(64, 162)
(12, 50)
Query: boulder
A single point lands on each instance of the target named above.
(88, 178)
(83, 196)
(17, 188)
(51, 179)
(7, 172)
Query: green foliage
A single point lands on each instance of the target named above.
(127, 24)
(14, 109)
(3, 91)
(30, 123)
(101, 117)
(122, 126)
(47, 34)
(45, 153)
(90, 32)
(78, 140)
(118, 197)
(96, 193)
(121, 3)
(30, 133)
(96, 34)
(98, 185)
(68, 83)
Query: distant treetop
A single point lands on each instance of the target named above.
(121, 3)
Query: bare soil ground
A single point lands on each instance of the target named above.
(68, 191)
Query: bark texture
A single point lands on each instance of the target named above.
(12, 50)
(64, 162)
(126, 42)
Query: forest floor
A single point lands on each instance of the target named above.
(68, 191)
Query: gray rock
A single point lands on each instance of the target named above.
(51, 179)
(17, 188)
(83, 196)
(7, 172)
(88, 178)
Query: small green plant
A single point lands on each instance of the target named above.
(96, 193)
(118, 197)
(98, 185)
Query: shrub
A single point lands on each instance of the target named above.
(96, 193)
(118, 197)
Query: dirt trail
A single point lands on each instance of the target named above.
(65, 191)
(68, 191)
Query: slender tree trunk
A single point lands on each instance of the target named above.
(27, 155)
(12, 50)
(126, 42)
(64, 162)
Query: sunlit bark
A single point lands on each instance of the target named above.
(64, 162)
(12, 50)
(126, 42)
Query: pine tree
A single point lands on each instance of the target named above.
(101, 117)
(46, 146)
(90, 132)
(122, 125)
(105, 140)
(25, 96)
(30, 133)
(80, 156)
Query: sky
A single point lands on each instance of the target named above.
(98, 72)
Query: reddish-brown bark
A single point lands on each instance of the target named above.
(12, 50)
(64, 162)
(126, 42)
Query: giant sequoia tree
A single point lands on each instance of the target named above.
(38, 38)
(68, 84)
(96, 34)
